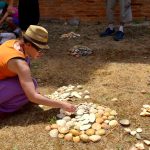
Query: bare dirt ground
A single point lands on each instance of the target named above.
(115, 70)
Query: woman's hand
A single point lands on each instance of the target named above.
(69, 107)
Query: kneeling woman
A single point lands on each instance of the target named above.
(17, 87)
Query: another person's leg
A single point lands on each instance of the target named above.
(29, 13)
(125, 16)
(12, 96)
(110, 5)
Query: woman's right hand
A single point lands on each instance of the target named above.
(69, 107)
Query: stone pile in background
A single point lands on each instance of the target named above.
(70, 93)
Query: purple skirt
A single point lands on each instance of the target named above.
(12, 96)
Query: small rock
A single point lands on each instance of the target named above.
(143, 92)
(86, 92)
(139, 130)
(68, 137)
(53, 133)
(113, 123)
(86, 97)
(84, 137)
(140, 146)
(125, 122)
(94, 138)
(127, 130)
(79, 86)
(138, 137)
(147, 142)
(114, 99)
(61, 123)
(85, 127)
(133, 133)
(76, 139)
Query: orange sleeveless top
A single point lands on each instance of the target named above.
(7, 52)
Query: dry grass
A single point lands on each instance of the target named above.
(116, 69)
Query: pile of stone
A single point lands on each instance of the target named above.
(145, 110)
(79, 50)
(89, 123)
(70, 35)
(70, 93)
(135, 132)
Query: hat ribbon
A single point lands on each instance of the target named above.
(34, 40)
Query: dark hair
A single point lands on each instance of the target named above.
(28, 41)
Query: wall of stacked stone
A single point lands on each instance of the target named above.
(88, 10)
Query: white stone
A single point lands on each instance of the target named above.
(61, 123)
(86, 92)
(76, 94)
(113, 123)
(86, 121)
(79, 86)
(140, 146)
(60, 116)
(146, 106)
(84, 137)
(85, 127)
(125, 122)
(80, 112)
(113, 113)
(63, 130)
(65, 95)
(66, 118)
(147, 142)
(53, 133)
(92, 110)
(95, 138)
(86, 97)
(139, 130)
(133, 133)
(70, 124)
(128, 130)
(92, 117)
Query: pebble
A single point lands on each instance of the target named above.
(139, 130)
(128, 130)
(140, 146)
(147, 142)
(124, 122)
(133, 133)
(145, 110)
(94, 138)
(114, 99)
(53, 133)
(138, 137)
(113, 123)
(48, 128)
(84, 137)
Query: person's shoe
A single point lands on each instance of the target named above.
(107, 32)
(119, 35)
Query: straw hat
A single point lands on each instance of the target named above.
(38, 36)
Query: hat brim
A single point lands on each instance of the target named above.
(41, 46)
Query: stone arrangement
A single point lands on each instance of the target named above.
(79, 50)
(145, 110)
(70, 35)
(69, 92)
(89, 123)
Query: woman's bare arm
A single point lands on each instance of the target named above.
(21, 68)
